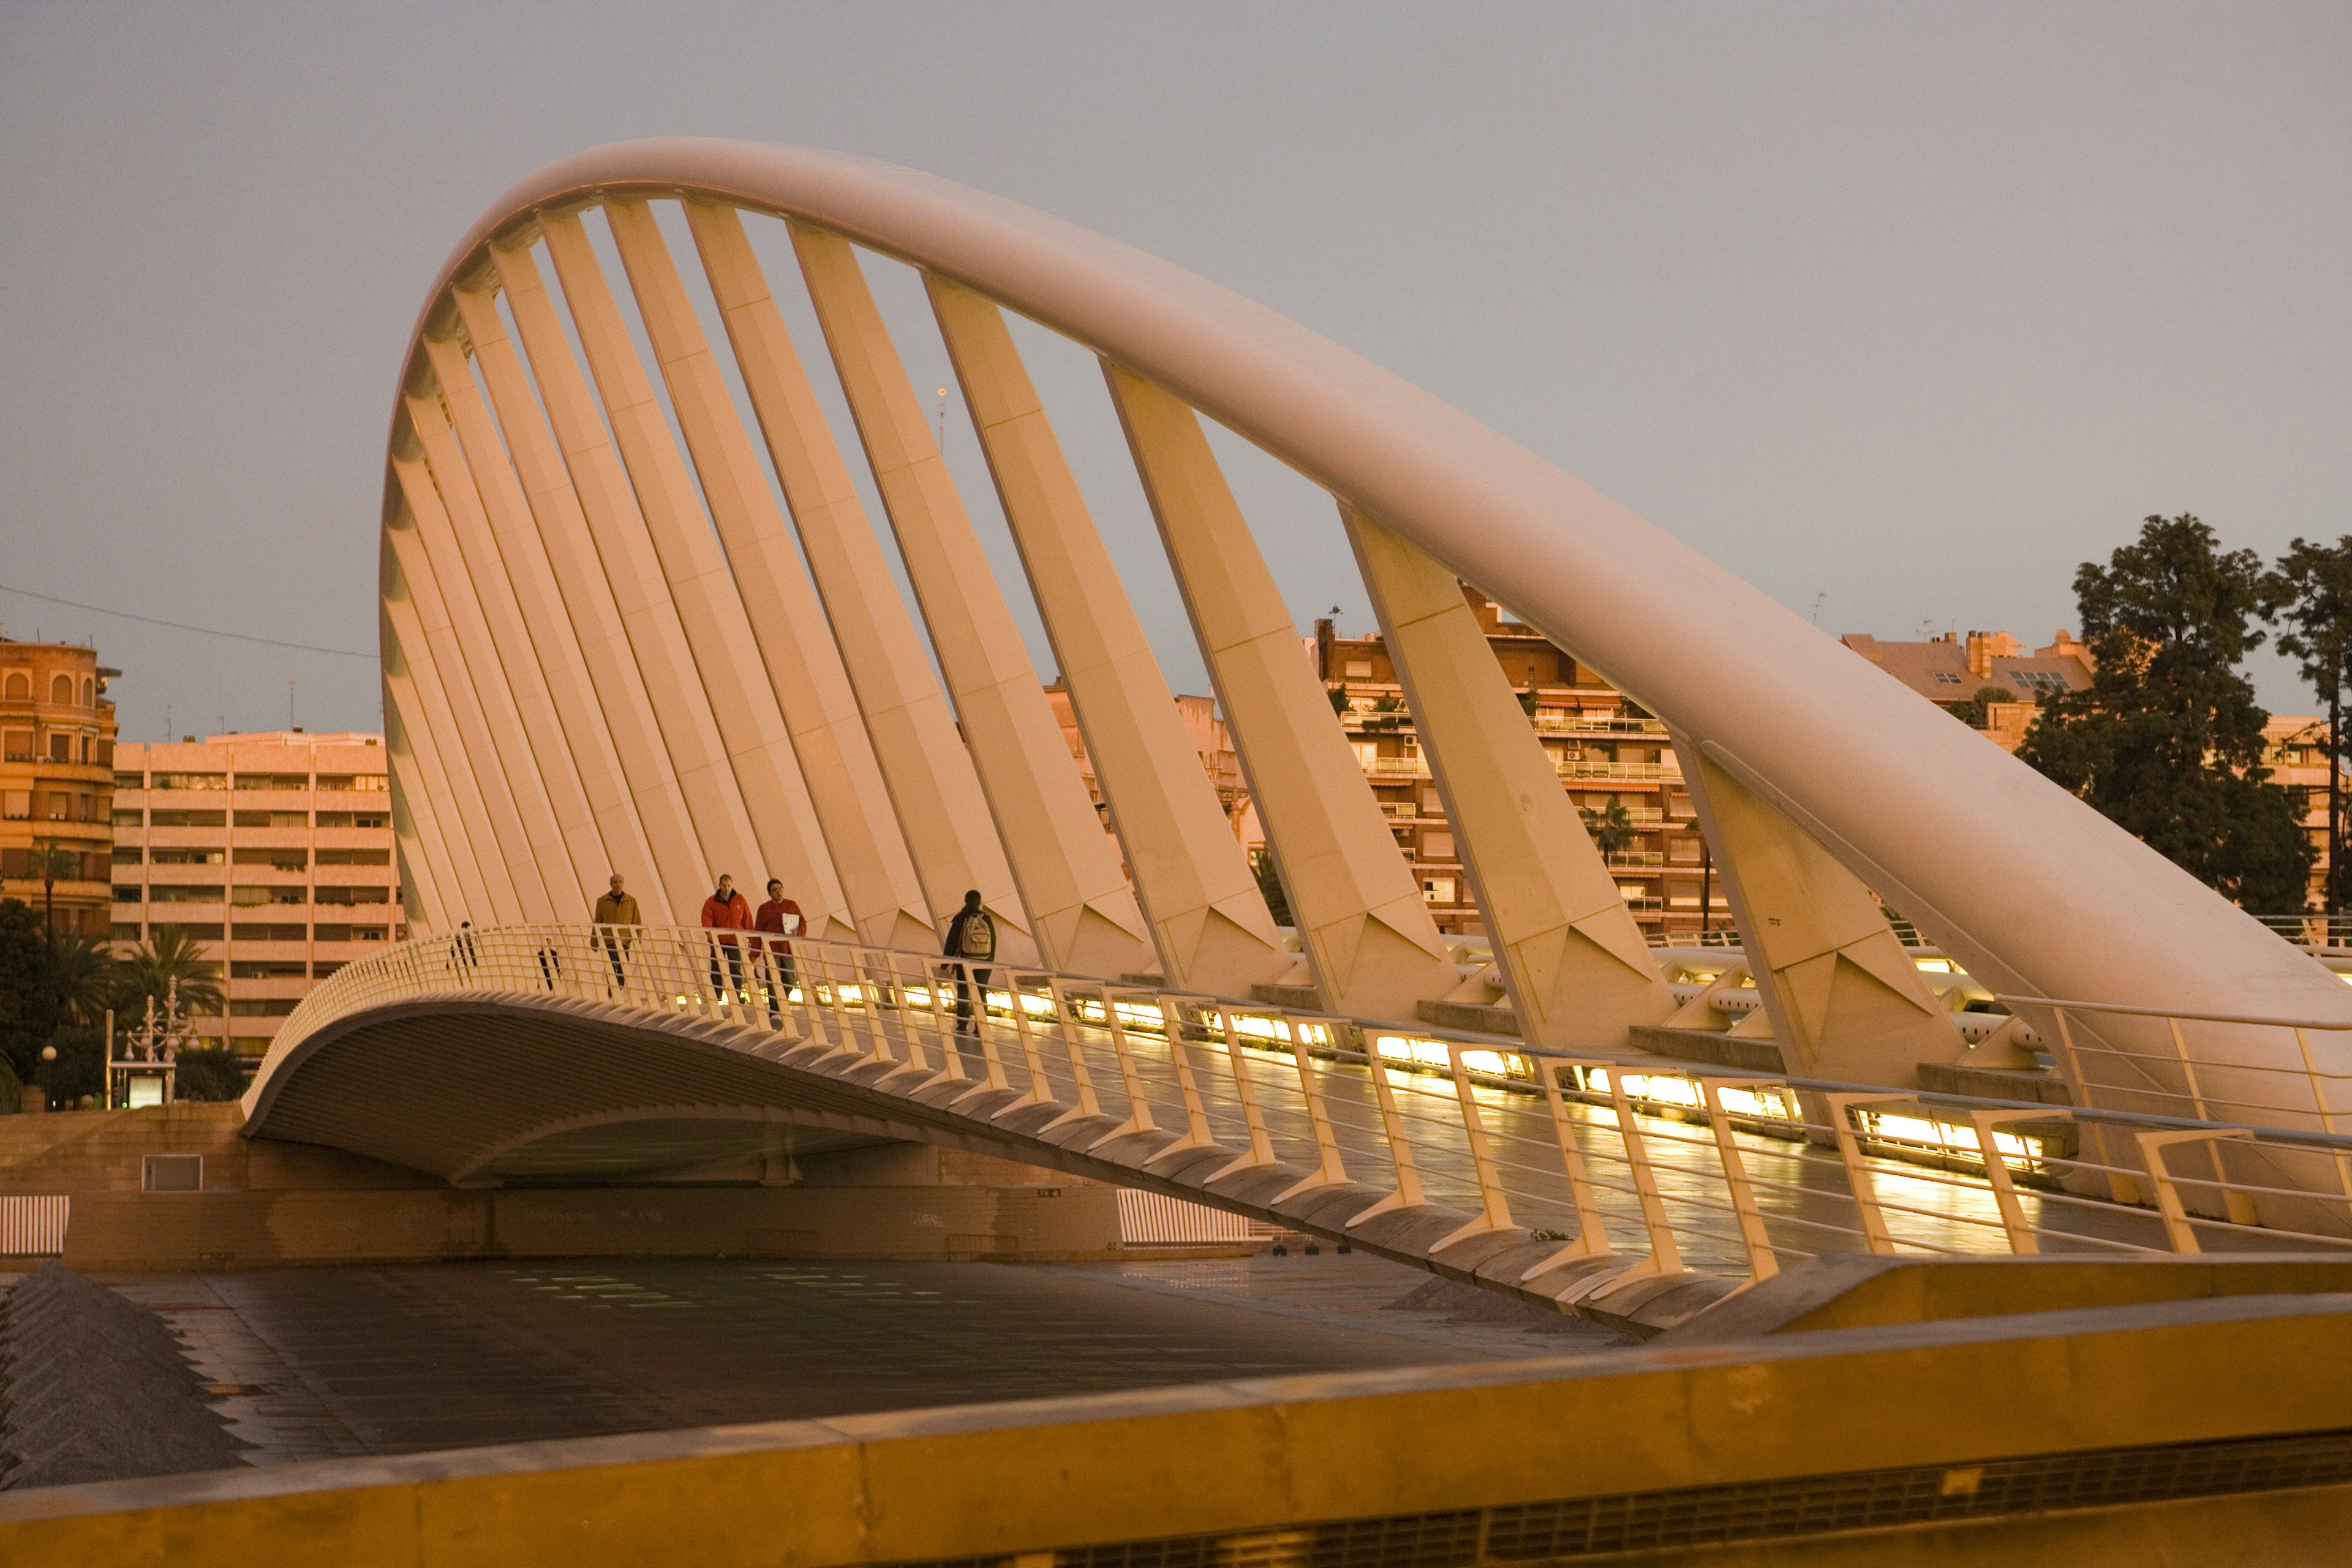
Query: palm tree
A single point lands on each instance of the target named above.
(168, 955)
(85, 973)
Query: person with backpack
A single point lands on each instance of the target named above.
(972, 943)
(726, 911)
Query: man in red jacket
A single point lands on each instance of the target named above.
(780, 916)
(726, 911)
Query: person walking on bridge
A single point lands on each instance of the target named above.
(781, 918)
(971, 941)
(617, 910)
(726, 913)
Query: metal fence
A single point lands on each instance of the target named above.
(1666, 1170)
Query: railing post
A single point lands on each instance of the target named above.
(845, 1033)
(2022, 1238)
(1130, 1079)
(1261, 1149)
(1495, 1209)
(1197, 1133)
(1762, 1263)
(1857, 1174)
(2178, 1231)
(1033, 1058)
(1329, 1170)
(869, 996)
(992, 1077)
(1665, 1259)
(1591, 1236)
(1089, 1104)
(902, 1003)
(2188, 1069)
(1408, 1193)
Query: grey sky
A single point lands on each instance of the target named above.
(1911, 307)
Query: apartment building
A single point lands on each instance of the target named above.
(57, 770)
(274, 850)
(1613, 759)
(1954, 672)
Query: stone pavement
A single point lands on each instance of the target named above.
(323, 1363)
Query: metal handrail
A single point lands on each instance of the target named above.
(1333, 1090)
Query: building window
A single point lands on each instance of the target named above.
(130, 781)
(278, 859)
(88, 692)
(262, 1007)
(187, 819)
(1437, 890)
(129, 854)
(371, 819)
(246, 897)
(1945, 678)
(125, 931)
(268, 969)
(20, 687)
(354, 895)
(187, 854)
(16, 745)
(354, 857)
(273, 781)
(191, 781)
(273, 819)
(60, 746)
(125, 893)
(1437, 845)
(196, 933)
(247, 930)
(320, 971)
(1359, 669)
(16, 805)
(180, 893)
(61, 691)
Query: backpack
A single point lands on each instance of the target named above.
(977, 939)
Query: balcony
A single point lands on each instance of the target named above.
(1646, 772)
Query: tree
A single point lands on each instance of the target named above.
(53, 863)
(2311, 591)
(84, 974)
(207, 1073)
(1977, 712)
(2167, 741)
(1611, 827)
(78, 1067)
(166, 956)
(29, 1012)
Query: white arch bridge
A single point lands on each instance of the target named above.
(628, 629)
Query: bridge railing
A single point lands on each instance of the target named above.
(1657, 1167)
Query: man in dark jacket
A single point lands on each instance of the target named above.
(726, 911)
(972, 943)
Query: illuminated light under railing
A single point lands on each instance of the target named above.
(1437, 1054)
(1769, 1105)
(1134, 1016)
(1275, 1033)
(1955, 1140)
(1935, 965)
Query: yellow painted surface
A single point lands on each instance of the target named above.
(1226, 1458)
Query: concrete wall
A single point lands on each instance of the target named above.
(265, 1203)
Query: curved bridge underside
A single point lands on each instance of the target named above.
(530, 1089)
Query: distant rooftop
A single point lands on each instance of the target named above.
(1952, 669)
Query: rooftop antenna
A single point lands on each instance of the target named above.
(943, 419)
(290, 705)
(1824, 593)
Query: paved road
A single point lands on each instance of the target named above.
(318, 1362)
